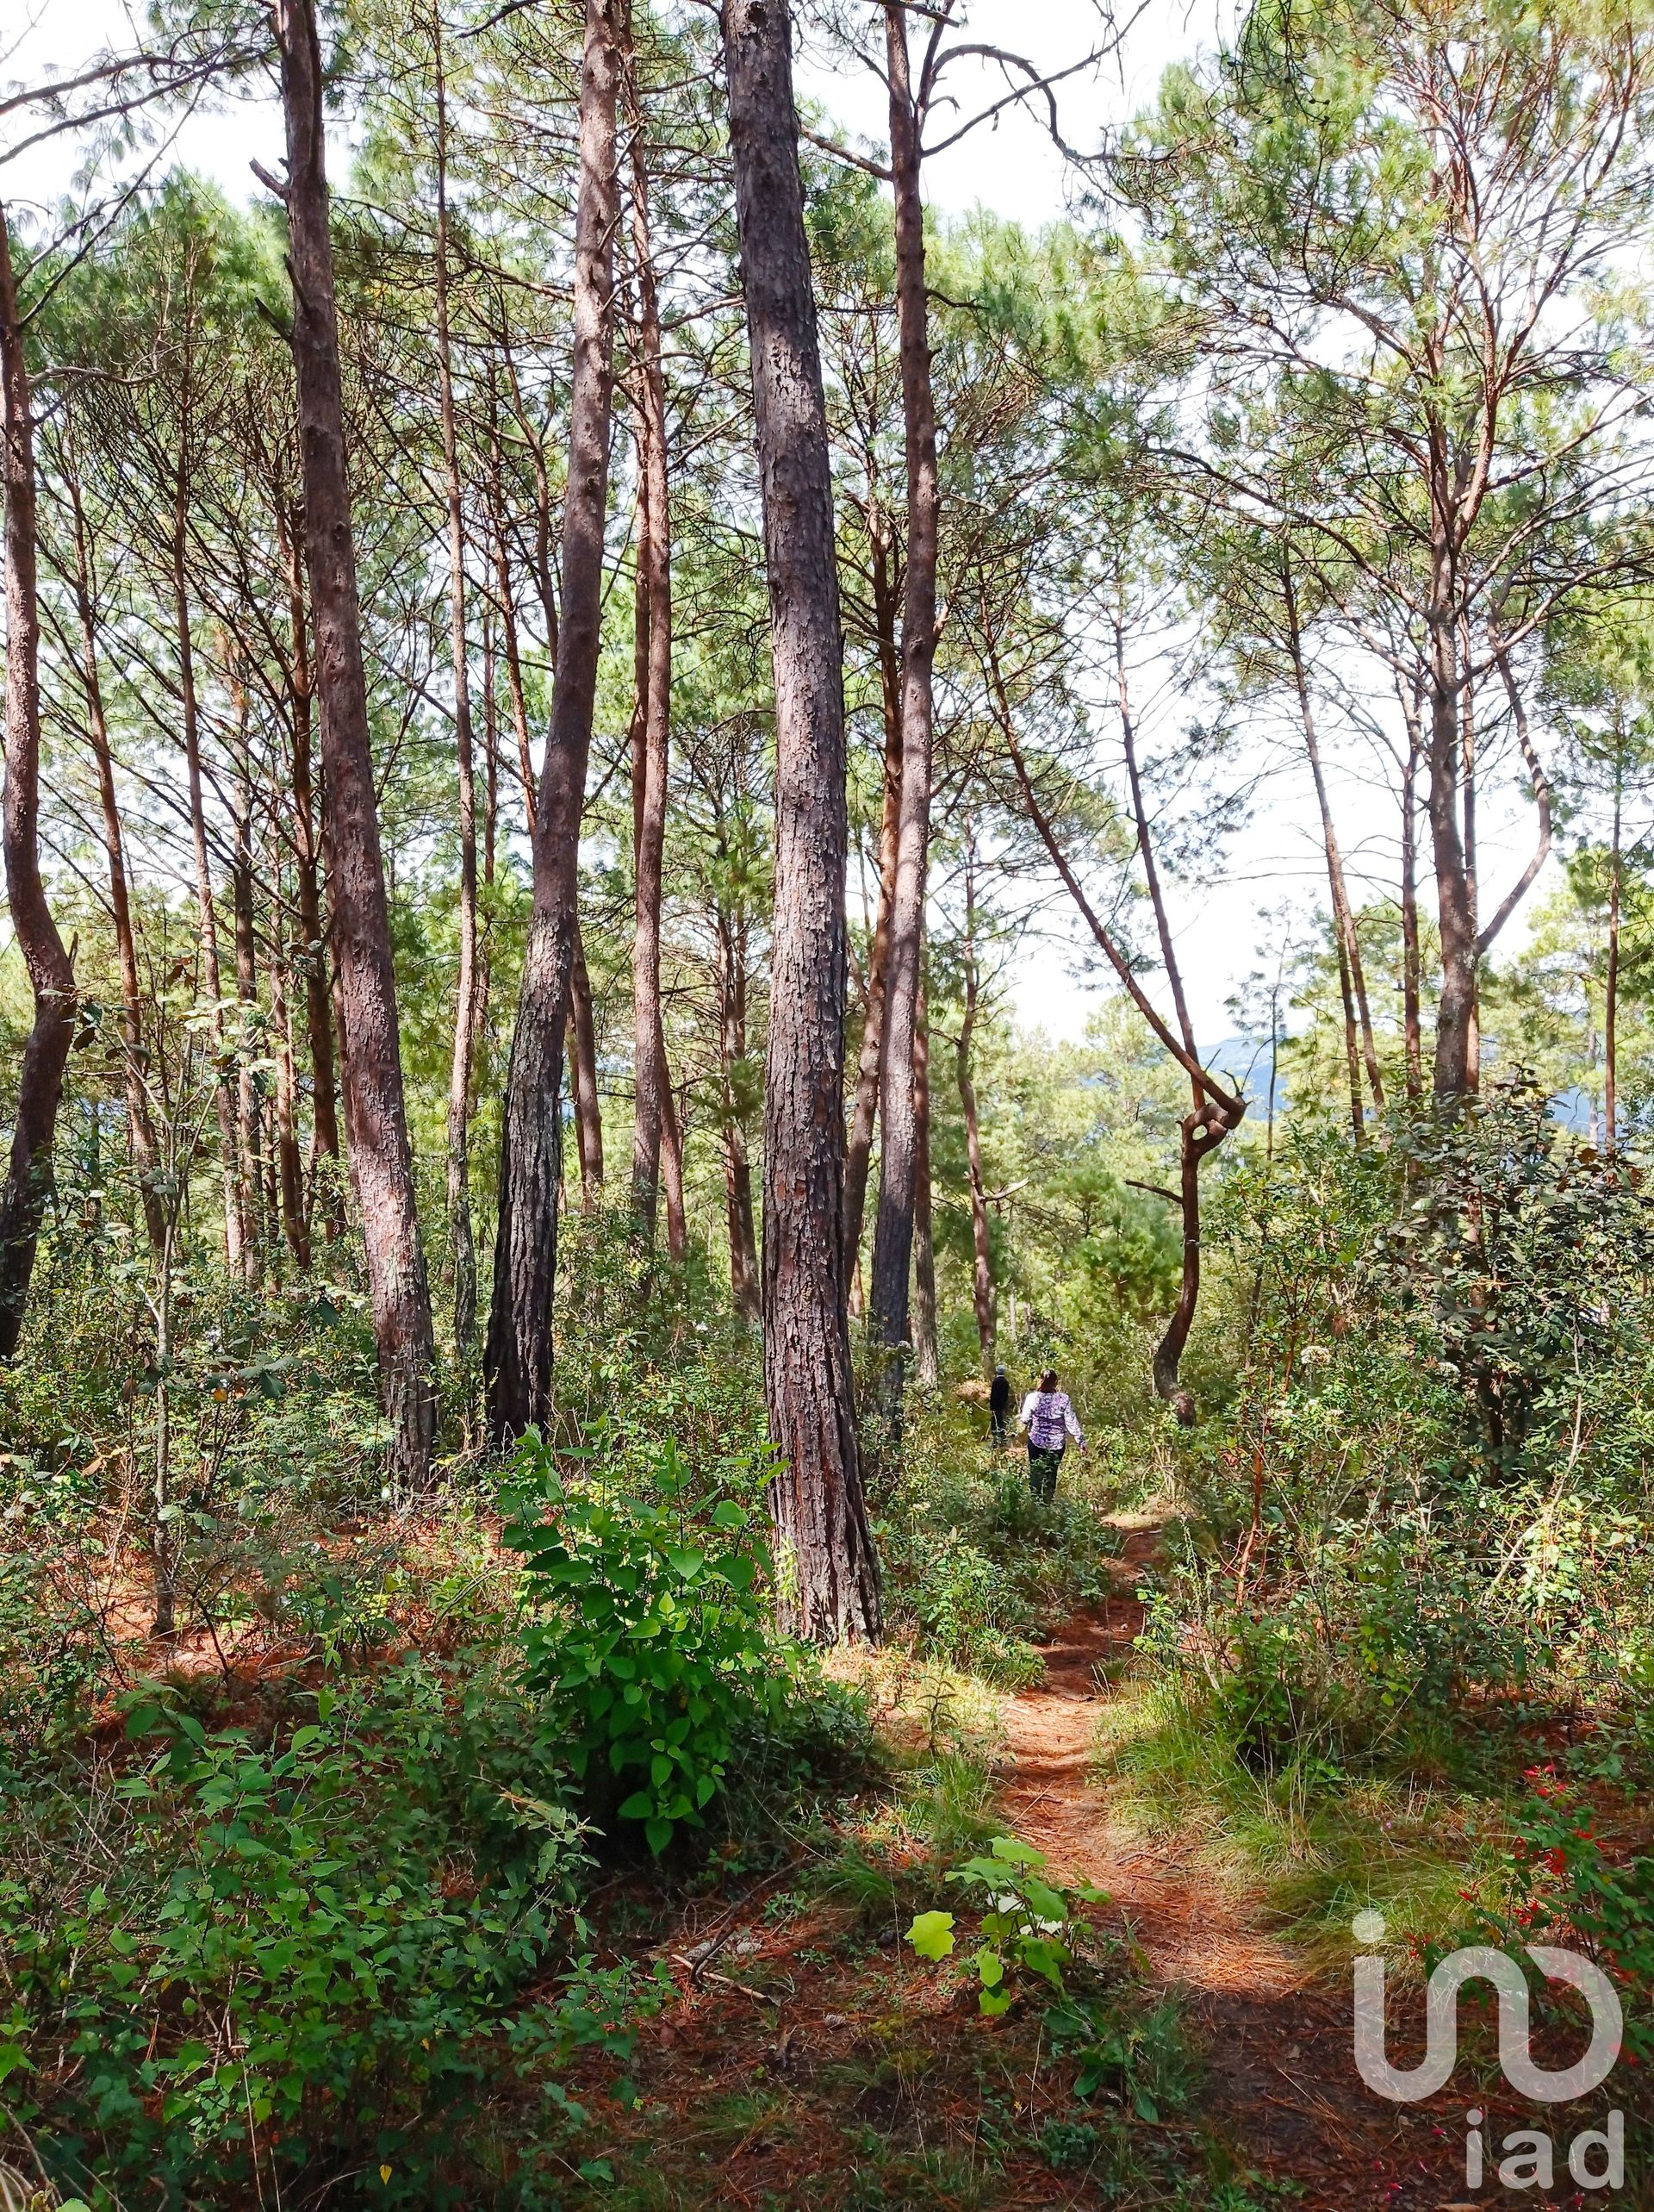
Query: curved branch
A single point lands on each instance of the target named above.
(1541, 784)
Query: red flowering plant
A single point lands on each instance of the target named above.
(1562, 1884)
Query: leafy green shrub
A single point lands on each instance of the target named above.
(251, 1955)
(1560, 1878)
(647, 1634)
(1031, 1933)
(1024, 1920)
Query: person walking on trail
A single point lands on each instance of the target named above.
(1049, 1420)
(1000, 1408)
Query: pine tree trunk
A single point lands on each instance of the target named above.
(318, 1010)
(249, 1128)
(738, 1167)
(865, 1104)
(927, 1350)
(289, 1161)
(1412, 1025)
(1353, 982)
(981, 1257)
(1455, 1013)
(381, 1162)
(516, 1361)
(140, 1126)
(462, 1241)
(588, 1109)
(892, 1241)
(45, 1054)
(1611, 988)
(654, 720)
(829, 1584)
(235, 1196)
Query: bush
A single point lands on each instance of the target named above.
(287, 1954)
(648, 1635)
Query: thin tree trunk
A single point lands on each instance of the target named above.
(737, 1169)
(1411, 1023)
(892, 1241)
(45, 1054)
(828, 1584)
(1215, 1112)
(1352, 973)
(582, 1027)
(139, 1121)
(318, 1010)
(382, 1161)
(462, 1241)
(249, 1141)
(235, 1198)
(289, 1162)
(926, 1351)
(588, 1109)
(654, 719)
(517, 1360)
(1467, 756)
(1611, 990)
(865, 1104)
(981, 1257)
(513, 660)
(1455, 1013)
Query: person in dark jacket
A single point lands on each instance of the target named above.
(1000, 1408)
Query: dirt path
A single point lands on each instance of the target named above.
(1282, 2084)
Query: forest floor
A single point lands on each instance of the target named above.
(811, 2061)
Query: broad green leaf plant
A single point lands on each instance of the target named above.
(647, 1630)
(1024, 1927)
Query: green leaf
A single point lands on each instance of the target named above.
(640, 1805)
(992, 2002)
(727, 1514)
(932, 1934)
(1013, 1852)
(1046, 1902)
(991, 1965)
(659, 1833)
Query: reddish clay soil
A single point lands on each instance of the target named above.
(1277, 2034)
(792, 2033)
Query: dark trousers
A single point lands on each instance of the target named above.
(1000, 1418)
(1042, 1471)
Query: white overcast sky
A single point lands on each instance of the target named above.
(1275, 864)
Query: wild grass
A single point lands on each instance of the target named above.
(1320, 1843)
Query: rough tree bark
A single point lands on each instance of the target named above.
(892, 1242)
(382, 1162)
(50, 975)
(517, 1359)
(829, 1584)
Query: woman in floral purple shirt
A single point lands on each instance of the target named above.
(1049, 1420)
